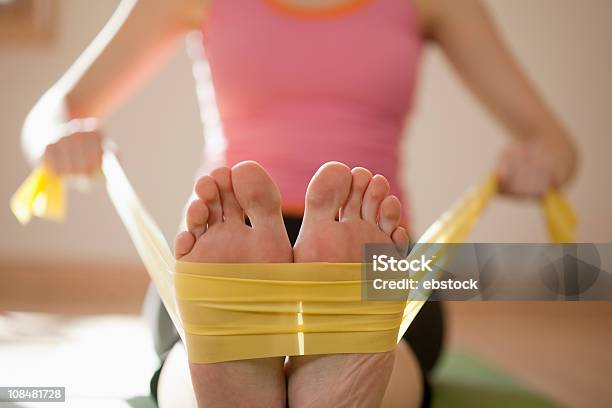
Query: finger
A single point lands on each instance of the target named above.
(92, 151)
(529, 182)
(510, 168)
(62, 158)
(73, 156)
(76, 152)
(50, 158)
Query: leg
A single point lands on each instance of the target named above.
(405, 388)
(366, 214)
(217, 233)
(174, 387)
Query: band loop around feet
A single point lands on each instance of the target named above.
(241, 311)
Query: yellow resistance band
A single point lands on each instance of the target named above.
(242, 311)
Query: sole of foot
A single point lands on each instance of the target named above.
(345, 208)
(217, 233)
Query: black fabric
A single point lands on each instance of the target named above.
(427, 397)
(426, 335)
(293, 225)
(155, 381)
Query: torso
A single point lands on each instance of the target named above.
(296, 88)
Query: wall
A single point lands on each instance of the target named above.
(158, 131)
(562, 44)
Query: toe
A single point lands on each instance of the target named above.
(257, 194)
(197, 217)
(327, 191)
(390, 212)
(229, 203)
(361, 179)
(375, 193)
(183, 244)
(207, 190)
(401, 240)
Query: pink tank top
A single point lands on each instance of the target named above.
(294, 91)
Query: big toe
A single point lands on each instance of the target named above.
(183, 244)
(327, 191)
(257, 194)
(231, 207)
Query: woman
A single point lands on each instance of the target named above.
(302, 82)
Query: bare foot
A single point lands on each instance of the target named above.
(217, 233)
(366, 214)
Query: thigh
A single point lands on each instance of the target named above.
(405, 388)
(174, 388)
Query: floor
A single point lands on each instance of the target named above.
(71, 327)
(102, 360)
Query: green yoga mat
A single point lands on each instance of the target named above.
(463, 381)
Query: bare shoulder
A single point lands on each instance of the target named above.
(436, 15)
(190, 13)
(198, 10)
(426, 11)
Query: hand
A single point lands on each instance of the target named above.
(77, 154)
(530, 169)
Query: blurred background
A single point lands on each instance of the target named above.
(66, 290)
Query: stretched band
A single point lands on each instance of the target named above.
(243, 311)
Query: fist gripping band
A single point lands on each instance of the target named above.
(229, 312)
